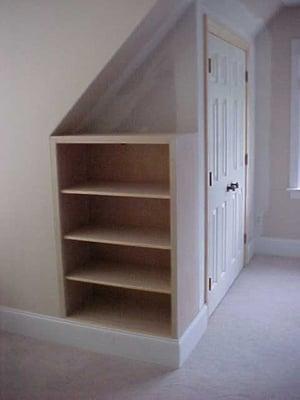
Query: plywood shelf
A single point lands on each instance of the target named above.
(122, 189)
(126, 236)
(136, 316)
(137, 277)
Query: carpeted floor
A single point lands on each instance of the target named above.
(251, 350)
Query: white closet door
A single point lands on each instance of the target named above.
(226, 163)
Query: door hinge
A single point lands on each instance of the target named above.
(245, 238)
(246, 159)
(209, 66)
(246, 76)
(210, 179)
(209, 284)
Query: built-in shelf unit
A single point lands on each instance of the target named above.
(126, 230)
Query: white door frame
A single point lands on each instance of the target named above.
(222, 32)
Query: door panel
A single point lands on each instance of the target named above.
(226, 163)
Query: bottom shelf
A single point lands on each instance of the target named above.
(143, 314)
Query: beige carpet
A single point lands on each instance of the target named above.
(251, 350)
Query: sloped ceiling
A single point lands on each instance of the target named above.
(245, 17)
(291, 2)
(248, 15)
(262, 10)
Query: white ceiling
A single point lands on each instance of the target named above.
(291, 2)
(263, 10)
(246, 16)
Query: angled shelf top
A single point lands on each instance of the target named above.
(137, 277)
(117, 138)
(126, 236)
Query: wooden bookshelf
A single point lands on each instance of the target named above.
(137, 277)
(126, 228)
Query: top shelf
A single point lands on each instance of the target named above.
(138, 190)
(121, 138)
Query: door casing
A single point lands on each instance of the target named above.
(222, 32)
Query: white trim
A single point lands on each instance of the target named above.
(88, 337)
(295, 195)
(192, 335)
(295, 118)
(250, 250)
(168, 352)
(277, 247)
(294, 192)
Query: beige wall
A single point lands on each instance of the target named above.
(277, 215)
(50, 52)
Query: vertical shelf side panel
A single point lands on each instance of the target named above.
(173, 227)
(185, 231)
(57, 225)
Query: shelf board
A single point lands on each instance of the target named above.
(121, 189)
(136, 316)
(125, 236)
(137, 277)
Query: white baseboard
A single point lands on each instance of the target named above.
(277, 247)
(192, 335)
(250, 250)
(168, 352)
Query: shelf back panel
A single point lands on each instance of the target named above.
(144, 163)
